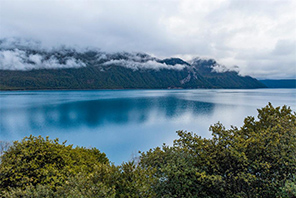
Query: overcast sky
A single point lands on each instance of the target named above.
(257, 35)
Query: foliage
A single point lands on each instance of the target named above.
(106, 180)
(289, 190)
(36, 160)
(135, 181)
(253, 161)
(174, 169)
(30, 192)
(256, 160)
(4, 145)
(37, 167)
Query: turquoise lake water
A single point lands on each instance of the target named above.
(122, 122)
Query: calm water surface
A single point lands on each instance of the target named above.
(122, 122)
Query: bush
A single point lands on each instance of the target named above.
(253, 161)
(289, 190)
(256, 160)
(3, 147)
(36, 160)
(37, 167)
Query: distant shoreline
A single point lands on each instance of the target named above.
(280, 83)
(1, 90)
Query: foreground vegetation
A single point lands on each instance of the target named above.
(256, 160)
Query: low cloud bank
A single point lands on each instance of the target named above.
(213, 65)
(23, 55)
(221, 68)
(21, 60)
(136, 62)
(146, 65)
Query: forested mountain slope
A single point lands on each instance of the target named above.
(66, 68)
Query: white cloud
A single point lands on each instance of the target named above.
(36, 59)
(20, 60)
(150, 64)
(233, 32)
(221, 68)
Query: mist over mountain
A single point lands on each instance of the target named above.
(26, 65)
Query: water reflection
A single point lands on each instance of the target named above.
(98, 113)
(120, 123)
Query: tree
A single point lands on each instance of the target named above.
(36, 160)
(4, 145)
(38, 167)
(253, 161)
(289, 190)
(134, 181)
(256, 160)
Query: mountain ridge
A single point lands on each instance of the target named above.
(65, 68)
(279, 83)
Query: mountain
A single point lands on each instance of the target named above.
(25, 68)
(284, 83)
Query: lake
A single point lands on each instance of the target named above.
(122, 122)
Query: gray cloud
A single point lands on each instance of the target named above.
(257, 35)
(150, 64)
(19, 54)
(20, 60)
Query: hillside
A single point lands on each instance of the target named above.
(33, 69)
(285, 83)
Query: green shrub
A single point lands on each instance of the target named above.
(253, 161)
(30, 192)
(37, 167)
(36, 160)
(256, 160)
(289, 190)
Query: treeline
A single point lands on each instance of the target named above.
(119, 77)
(256, 160)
